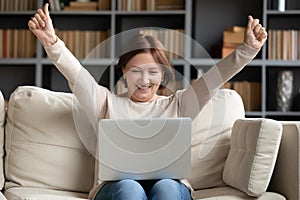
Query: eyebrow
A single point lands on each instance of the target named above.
(153, 67)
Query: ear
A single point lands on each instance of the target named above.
(163, 76)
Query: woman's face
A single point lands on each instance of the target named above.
(143, 76)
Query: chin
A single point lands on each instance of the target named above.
(142, 98)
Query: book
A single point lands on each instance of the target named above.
(31, 43)
(104, 4)
(285, 44)
(279, 42)
(15, 43)
(1, 43)
(169, 5)
(270, 45)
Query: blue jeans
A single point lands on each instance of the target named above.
(164, 189)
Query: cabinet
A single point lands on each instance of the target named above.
(202, 21)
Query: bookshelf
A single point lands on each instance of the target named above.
(286, 23)
(203, 21)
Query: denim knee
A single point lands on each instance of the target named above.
(124, 189)
(169, 189)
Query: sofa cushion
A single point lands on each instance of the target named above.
(2, 121)
(42, 146)
(28, 193)
(252, 156)
(212, 138)
(229, 193)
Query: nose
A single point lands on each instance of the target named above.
(145, 78)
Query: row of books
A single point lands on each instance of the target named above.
(66, 5)
(250, 93)
(85, 43)
(17, 5)
(284, 44)
(121, 5)
(136, 5)
(17, 43)
(172, 39)
(81, 6)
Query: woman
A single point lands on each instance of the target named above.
(145, 69)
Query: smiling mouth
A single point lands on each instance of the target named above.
(144, 87)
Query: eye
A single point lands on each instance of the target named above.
(135, 70)
(153, 72)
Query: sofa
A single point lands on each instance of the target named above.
(233, 157)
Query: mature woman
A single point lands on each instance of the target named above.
(145, 69)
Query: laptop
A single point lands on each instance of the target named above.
(143, 149)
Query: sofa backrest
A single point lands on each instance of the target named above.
(2, 121)
(42, 146)
(211, 141)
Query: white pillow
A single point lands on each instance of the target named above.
(211, 141)
(2, 121)
(253, 152)
(42, 147)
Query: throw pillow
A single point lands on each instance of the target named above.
(211, 141)
(253, 151)
(43, 149)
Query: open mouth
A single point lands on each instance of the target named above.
(143, 87)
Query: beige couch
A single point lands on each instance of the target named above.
(43, 157)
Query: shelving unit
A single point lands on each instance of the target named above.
(203, 21)
(277, 20)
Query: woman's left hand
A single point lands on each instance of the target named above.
(255, 34)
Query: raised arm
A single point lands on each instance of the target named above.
(201, 91)
(89, 94)
(42, 27)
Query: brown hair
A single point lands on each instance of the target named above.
(144, 44)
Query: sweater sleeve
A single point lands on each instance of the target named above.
(89, 93)
(64, 60)
(194, 98)
(89, 103)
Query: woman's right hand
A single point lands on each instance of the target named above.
(41, 26)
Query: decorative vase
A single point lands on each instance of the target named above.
(284, 90)
(281, 5)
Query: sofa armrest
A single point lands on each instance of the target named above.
(285, 178)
